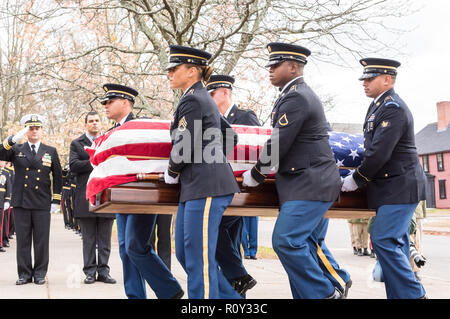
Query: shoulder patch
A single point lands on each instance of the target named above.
(389, 102)
(392, 104)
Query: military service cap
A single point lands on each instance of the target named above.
(32, 120)
(180, 54)
(117, 91)
(219, 81)
(279, 52)
(375, 66)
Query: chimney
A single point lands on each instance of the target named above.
(443, 113)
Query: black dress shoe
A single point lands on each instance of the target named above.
(347, 287)
(106, 279)
(2, 249)
(22, 281)
(179, 295)
(89, 279)
(39, 281)
(337, 294)
(253, 257)
(243, 284)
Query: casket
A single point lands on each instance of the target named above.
(127, 176)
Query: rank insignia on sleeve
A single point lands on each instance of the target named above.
(283, 120)
(182, 124)
(385, 124)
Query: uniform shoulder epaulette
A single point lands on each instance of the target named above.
(293, 88)
(389, 102)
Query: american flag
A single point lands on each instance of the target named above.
(144, 145)
(348, 151)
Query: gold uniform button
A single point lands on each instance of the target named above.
(39, 170)
(25, 185)
(26, 176)
(386, 175)
(37, 187)
(37, 178)
(292, 169)
(27, 169)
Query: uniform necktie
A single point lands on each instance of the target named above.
(33, 150)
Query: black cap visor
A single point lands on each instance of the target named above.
(368, 76)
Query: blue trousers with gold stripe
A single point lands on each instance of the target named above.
(139, 261)
(390, 240)
(294, 239)
(196, 233)
(337, 275)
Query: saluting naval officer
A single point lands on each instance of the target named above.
(32, 199)
(140, 262)
(307, 178)
(393, 175)
(197, 161)
(228, 252)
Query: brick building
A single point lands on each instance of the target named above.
(433, 146)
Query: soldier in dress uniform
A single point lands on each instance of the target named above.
(307, 178)
(393, 175)
(140, 262)
(231, 228)
(198, 155)
(65, 197)
(11, 228)
(5, 198)
(33, 197)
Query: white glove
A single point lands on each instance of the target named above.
(349, 184)
(54, 208)
(16, 138)
(169, 179)
(248, 180)
(6, 206)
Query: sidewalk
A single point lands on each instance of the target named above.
(65, 276)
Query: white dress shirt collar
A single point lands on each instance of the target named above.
(36, 144)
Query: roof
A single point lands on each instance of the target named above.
(429, 140)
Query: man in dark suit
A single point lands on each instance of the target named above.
(231, 228)
(34, 162)
(307, 178)
(95, 228)
(393, 175)
(140, 262)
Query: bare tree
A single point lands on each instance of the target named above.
(60, 52)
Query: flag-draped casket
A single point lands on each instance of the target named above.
(141, 148)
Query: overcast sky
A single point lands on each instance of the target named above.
(423, 77)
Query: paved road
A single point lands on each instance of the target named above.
(65, 276)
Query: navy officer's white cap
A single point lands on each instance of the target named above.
(32, 120)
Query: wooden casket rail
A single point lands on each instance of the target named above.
(152, 196)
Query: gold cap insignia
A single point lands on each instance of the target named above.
(385, 123)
